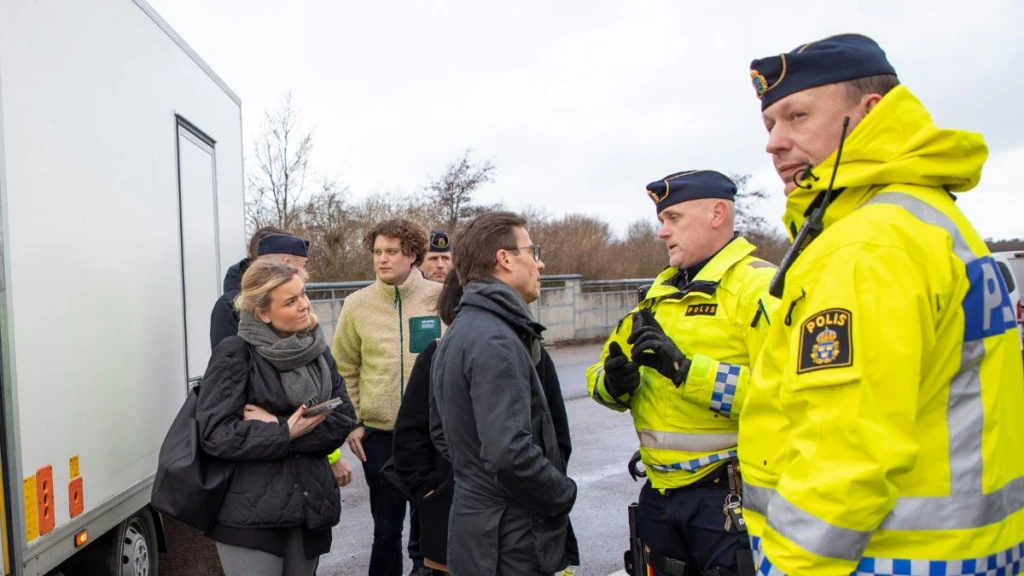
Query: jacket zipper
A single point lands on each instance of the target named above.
(401, 345)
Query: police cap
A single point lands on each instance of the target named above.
(690, 185)
(828, 61)
(439, 242)
(283, 244)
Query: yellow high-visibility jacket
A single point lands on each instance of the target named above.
(719, 321)
(883, 432)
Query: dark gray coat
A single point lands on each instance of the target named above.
(512, 498)
(277, 482)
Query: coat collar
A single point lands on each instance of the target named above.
(737, 249)
(411, 284)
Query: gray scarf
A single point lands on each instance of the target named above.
(299, 359)
(513, 305)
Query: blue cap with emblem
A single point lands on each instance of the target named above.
(283, 244)
(828, 61)
(439, 242)
(690, 185)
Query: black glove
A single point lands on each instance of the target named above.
(654, 349)
(620, 375)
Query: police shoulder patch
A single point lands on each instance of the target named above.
(825, 341)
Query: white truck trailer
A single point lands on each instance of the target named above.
(121, 206)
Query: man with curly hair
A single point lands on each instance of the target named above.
(382, 329)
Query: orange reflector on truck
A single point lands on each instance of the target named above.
(76, 497)
(81, 538)
(44, 498)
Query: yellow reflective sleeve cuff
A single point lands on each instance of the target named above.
(595, 385)
(700, 381)
(333, 457)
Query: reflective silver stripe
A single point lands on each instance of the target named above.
(928, 214)
(965, 414)
(965, 419)
(686, 442)
(962, 512)
(958, 512)
(814, 534)
(757, 498)
(760, 264)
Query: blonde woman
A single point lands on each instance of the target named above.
(277, 515)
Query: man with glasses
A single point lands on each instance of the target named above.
(381, 330)
(489, 414)
(678, 363)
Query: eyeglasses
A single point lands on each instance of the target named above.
(534, 247)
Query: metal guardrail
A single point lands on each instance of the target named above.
(327, 299)
(569, 306)
(615, 298)
(553, 303)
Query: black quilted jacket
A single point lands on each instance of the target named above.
(277, 482)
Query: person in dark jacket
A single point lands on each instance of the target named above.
(278, 511)
(285, 249)
(427, 475)
(489, 414)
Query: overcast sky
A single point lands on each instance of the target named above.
(580, 104)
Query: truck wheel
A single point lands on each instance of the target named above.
(128, 549)
(138, 549)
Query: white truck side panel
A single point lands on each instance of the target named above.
(89, 95)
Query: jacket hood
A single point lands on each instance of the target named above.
(233, 278)
(896, 143)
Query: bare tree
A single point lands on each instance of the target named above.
(574, 244)
(279, 169)
(537, 218)
(748, 219)
(325, 219)
(644, 254)
(452, 192)
(1006, 245)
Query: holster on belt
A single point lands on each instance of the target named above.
(669, 566)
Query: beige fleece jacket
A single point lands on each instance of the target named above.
(381, 330)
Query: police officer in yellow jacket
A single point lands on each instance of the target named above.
(883, 431)
(676, 363)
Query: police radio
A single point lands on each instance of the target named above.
(812, 226)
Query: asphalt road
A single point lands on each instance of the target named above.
(572, 363)
(603, 441)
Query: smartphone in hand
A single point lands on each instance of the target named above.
(323, 407)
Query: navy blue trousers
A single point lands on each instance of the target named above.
(388, 511)
(688, 524)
